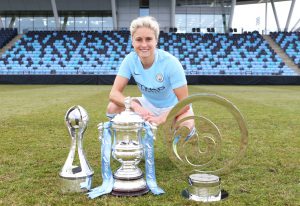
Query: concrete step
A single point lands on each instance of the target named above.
(10, 44)
(278, 50)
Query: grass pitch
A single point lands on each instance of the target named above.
(34, 144)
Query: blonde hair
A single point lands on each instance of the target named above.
(145, 21)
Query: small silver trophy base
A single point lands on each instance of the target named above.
(70, 179)
(130, 186)
(203, 188)
(70, 185)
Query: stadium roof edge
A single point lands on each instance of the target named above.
(241, 2)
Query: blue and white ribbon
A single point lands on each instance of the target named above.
(107, 176)
(87, 184)
(108, 180)
(149, 161)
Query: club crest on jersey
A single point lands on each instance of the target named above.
(159, 77)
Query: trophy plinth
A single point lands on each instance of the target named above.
(129, 187)
(128, 150)
(204, 188)
(73, 173)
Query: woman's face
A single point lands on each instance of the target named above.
(144, 42)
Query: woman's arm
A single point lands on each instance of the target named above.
(182, 93)
(116, 94)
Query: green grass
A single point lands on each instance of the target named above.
(34, 144)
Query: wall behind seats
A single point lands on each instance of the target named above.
(161, 10)
(127, 10)
(45, 5)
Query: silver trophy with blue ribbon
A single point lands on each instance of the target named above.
(128, 150)
(76, 169)
(216, 144)
(122, 138)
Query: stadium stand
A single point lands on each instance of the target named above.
(100, 53)
(290, 43)
(6, 35)
(70, 52)
(224, 54)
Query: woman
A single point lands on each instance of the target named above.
(159, 76)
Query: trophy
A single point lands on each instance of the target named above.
(127, 149)
(199, 153)
(73, 174)
(122, 138)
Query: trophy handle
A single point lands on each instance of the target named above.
(154, 130)
(127, 103)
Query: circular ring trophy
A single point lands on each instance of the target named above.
(72, 175)
(199, 154)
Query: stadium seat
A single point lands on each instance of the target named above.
(290, 43)
(101, 52)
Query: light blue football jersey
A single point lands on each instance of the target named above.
(157, 82)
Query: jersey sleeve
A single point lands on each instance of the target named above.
(124, 69)
(177, 74)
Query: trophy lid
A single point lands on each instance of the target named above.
(127, 116)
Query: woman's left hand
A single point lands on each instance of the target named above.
(155, 119)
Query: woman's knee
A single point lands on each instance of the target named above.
(189, 123)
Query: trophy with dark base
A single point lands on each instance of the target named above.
(200, 155)
(128, 150)
(122, 139)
